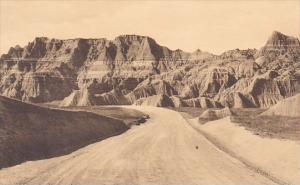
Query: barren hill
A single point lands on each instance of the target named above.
(30, 132)
(287, 107)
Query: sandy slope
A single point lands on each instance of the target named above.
(286, 107)
(162, 151)
(278, 158)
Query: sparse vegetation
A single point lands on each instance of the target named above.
(282, 127)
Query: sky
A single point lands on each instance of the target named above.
(214, 26)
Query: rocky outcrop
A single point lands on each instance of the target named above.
(84, 97)
(287, 107)
(259, 91)
(269, 88)
(131, 67)
(201, 102)
(280, 53)
(151, 87)
(240, 101)
(113, 97)
(36, 86)
(156, 101)
(80, 97)
(178, 102)
(215, 81)
(280, 44)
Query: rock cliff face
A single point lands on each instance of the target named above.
(280, 44)
(130, 68)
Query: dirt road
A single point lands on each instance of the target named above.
(166, 150)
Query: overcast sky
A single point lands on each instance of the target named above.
(213, 26)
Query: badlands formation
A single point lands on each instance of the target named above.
(135, 69)
(167, 149)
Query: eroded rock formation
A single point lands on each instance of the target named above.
(130, 68)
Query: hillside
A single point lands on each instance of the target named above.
(287, 107)
(30, 132)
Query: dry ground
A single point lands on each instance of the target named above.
(266, 126)
(30, 132)
(165, 150)
(275, 158)
(280, 127)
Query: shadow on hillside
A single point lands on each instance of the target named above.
(29, 132)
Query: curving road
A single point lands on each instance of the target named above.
(162, 151)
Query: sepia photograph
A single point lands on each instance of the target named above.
(153, 92)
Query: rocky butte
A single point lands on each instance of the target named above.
(134, 69)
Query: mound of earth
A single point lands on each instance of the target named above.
(214, 114)
(77, 98)
(84, 97)
(287, 107)
(202, 102)
(30, 132)
(111, 98)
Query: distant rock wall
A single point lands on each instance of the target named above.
(132, 67)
